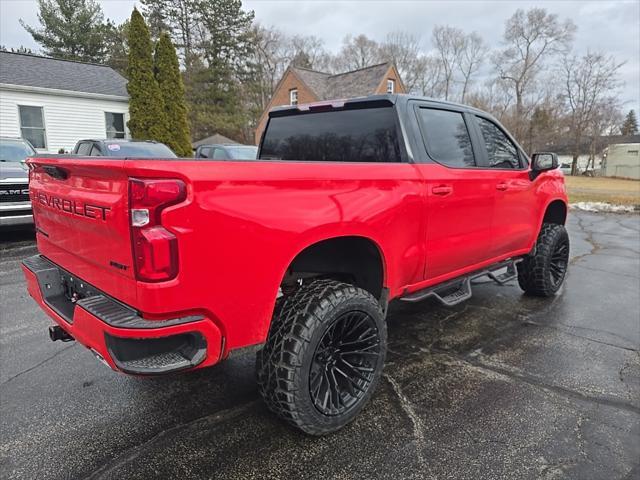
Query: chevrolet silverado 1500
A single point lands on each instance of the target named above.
(161, 266)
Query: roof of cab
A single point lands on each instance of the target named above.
(392, 99)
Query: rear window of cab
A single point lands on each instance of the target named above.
(357, 135)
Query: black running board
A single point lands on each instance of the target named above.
(453, 292)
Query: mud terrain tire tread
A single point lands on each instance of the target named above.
(282, 365)
(533, 271)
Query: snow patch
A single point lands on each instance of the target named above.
(602, 207)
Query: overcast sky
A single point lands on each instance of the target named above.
(609, 26)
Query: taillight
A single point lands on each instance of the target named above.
(155, 249)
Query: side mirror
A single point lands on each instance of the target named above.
(543, 161)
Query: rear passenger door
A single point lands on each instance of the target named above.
(514, 219)
(460, 195)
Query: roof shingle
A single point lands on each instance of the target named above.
(44, 72)
(357, 83)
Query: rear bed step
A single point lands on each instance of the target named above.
(458, 290)
(56, 285)
(153, 356)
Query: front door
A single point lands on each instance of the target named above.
(460, 196)
(514, 219)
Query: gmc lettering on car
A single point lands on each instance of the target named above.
(14, 191)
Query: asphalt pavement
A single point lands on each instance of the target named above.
(502, 386)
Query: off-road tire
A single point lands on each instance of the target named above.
(284, 365)
(535, 274)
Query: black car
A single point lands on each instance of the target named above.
(227, 152)
(123, 149)
(15, 206)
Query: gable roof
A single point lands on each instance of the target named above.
(26, 70)
(215, 139)
(316, 81)
(356, 83)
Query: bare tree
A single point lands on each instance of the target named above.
(470, 60)
(308, 52)
(547, 126)
(428, 76)
(449, 43)
(605, 123)
(494, 97)
(403, 49)
(271, 58)
(357, 52)
(180, 17)
(530, 38)
(590, 84)
(272, 54)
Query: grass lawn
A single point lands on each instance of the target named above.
(602, 189)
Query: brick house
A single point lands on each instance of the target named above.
(301, 85)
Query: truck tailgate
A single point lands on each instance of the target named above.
(82, 219)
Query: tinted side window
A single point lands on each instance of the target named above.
(219, 154)
(362, 135)
(205, 152)
(447, 138)
(501, 151)
(84, 148)
(95, 151)
(138, 150)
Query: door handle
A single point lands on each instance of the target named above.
(56, 172)
(502, 186)
(442, 190)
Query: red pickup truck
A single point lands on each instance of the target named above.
(165, 265)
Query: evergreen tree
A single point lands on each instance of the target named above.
(214, 41)
(118, 48)
(167, 73)
(630, 125)
(72, 29)
(147, 117)
(214, 102)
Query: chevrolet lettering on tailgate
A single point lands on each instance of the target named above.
(71, 206)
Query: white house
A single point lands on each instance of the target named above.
(54, 103)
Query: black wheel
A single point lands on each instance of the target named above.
(323, 357)
(542, 274)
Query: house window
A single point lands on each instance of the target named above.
(115, 124)
(32, 125)
(293, 96)
(391, 86)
